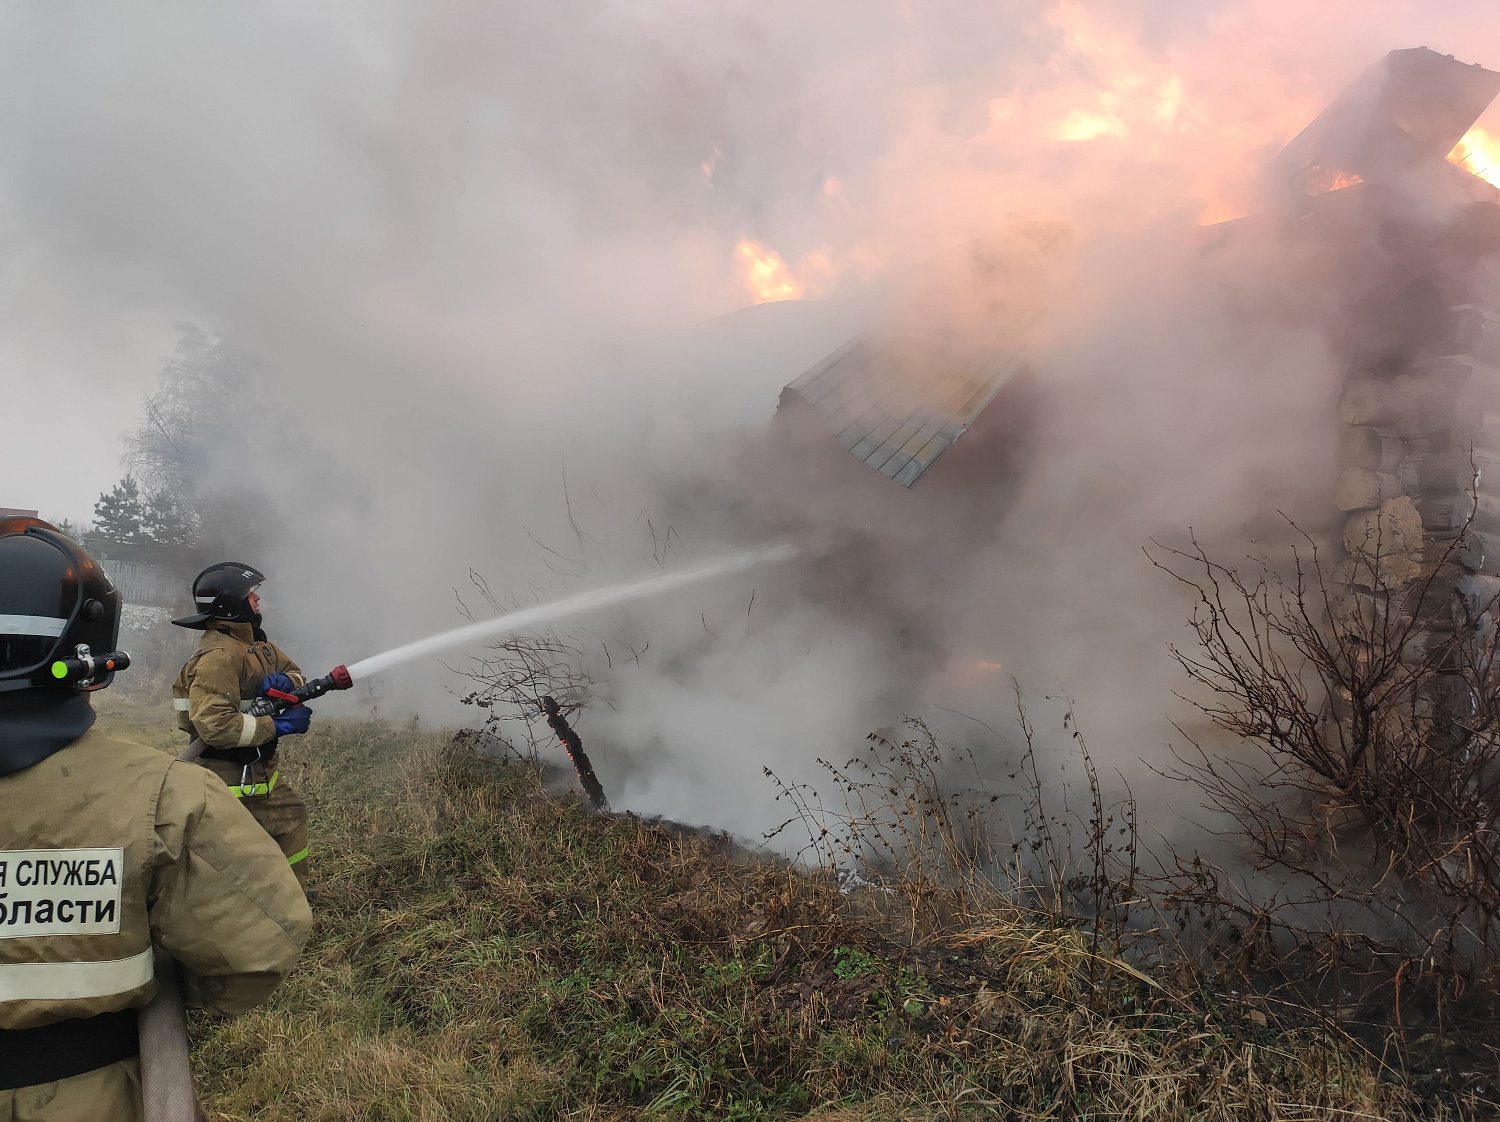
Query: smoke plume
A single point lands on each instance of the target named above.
(492, 263)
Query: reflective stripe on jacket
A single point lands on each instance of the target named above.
(246, 789)
(218, 682)
(106, 841)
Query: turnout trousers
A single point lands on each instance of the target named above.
(112, 1093)
(273, 802)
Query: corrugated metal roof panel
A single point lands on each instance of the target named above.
(897, 420)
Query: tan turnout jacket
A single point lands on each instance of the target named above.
(219, 682)
(106, 842)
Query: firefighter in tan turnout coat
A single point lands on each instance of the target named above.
(103, 845)
(234, 664)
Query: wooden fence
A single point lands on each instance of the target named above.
(142, 584)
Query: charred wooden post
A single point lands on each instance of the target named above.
(574, 745)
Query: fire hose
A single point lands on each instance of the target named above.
(166, 1073)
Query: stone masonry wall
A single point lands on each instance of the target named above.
(1418, 444)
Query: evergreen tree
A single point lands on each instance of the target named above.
(70, 529)
(120, 514)
(163, 523)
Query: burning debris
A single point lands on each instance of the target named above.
(1397, 125)
(1381, 189)
(765, 274)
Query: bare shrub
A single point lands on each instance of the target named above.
(1366, 769)
(516, 673)
(157, 649)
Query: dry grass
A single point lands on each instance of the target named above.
(486, 951)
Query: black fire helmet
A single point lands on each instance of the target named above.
(222, 591)
(54, 597)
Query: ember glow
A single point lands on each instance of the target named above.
(765, 274)
(1320, 181)
(1478, 152)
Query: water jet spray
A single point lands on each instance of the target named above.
(582, 602)
(343, 678)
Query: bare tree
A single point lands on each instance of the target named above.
(201, 445)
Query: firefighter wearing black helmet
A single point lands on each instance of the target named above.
(234, 664)
(105, 845)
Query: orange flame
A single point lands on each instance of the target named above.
(1133, 89)
(765, 274)
(1479, 153)
(1321, 180)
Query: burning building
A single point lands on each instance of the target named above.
(1379, 206)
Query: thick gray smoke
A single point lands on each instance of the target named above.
(489, 258)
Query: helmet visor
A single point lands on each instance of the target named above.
(37, 599)
(19, 652)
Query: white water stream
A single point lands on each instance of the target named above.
(542, 614)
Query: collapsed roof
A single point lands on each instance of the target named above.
(1403, 114)
(899, 395)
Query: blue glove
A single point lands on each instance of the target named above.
(277, 681)
(293, 721)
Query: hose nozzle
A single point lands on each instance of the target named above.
(277, 702)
